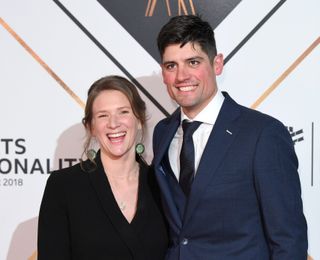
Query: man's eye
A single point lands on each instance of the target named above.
(170, 66)
(102, 115)
(194, 62)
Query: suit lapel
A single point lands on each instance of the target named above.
(159, 163)
(103, 190)
(170, 129)
(220, 139)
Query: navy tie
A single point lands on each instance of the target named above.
(187, 155)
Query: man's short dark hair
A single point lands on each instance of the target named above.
(183, 29)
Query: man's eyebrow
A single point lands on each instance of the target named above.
(168, 61)
(195, 58)
(186, 60)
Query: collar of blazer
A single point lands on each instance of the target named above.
(100, 184)
(164, 134)
(223, 134)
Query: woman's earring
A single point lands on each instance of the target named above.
(91, 154)
(139, 148)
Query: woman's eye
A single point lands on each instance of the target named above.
(124, 112)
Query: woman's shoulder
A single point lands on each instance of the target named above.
(145, 169)
(149, 177)
(69, 173)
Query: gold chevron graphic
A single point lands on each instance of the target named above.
(286, 73)
(42, 63)
(181, 7)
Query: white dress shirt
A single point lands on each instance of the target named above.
(208, 117)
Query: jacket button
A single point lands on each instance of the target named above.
(184, 241)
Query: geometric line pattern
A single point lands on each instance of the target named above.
(42, 63)
(112, 58)
(181, 7)
(286, 73)
(253, 31)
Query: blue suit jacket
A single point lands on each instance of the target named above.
(245, 201)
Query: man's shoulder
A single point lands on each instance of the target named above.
(259, 116)
(249, 112)
(165, 122)
(252, 117)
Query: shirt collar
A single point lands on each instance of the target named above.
(209, 114)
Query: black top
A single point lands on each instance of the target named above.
(80, 219)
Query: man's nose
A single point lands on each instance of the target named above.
(182, 73)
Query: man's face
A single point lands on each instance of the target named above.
(190, 76)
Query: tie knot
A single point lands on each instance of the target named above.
(189, 127)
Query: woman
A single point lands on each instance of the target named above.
(106, 207)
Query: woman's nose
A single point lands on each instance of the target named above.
(113, 121)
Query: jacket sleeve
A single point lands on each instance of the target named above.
(53, 235)
(155, 139)
(279, 193)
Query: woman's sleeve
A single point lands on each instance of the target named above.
(53, 228)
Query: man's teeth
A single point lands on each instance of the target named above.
(187, 88)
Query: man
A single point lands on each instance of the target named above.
(243, 199)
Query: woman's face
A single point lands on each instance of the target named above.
(114, 124)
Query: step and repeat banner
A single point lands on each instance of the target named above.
(52, 51)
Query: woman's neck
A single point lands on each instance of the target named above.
(123, 168)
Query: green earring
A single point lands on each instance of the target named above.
(139, 148)
(91, 154)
